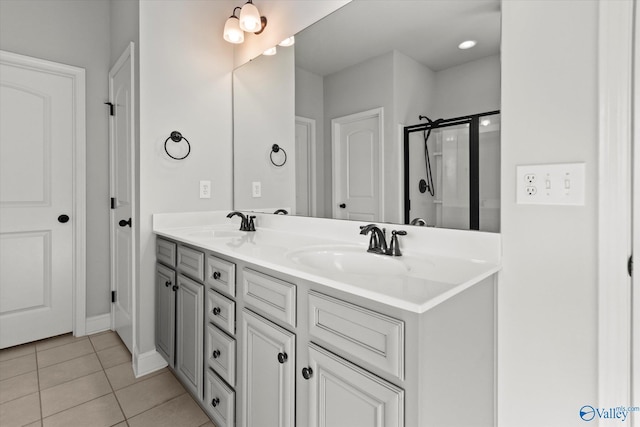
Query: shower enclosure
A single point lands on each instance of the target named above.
(452, 172)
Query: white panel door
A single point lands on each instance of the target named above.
(305, 167)
(37, 132)
(122, 192)
(358, 166)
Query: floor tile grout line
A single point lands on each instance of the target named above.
(159, 404)
(111, 386)
(38, 378)
(74, 406)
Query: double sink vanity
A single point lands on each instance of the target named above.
(296, 323)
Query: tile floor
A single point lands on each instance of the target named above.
(88, 382)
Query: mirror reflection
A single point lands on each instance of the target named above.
(362, 76)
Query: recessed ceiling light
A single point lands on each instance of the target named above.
(468, 44)
(270, 51)
(287, 42)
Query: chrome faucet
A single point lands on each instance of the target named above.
(247, 223)
(378, 240)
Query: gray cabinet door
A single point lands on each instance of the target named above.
(343, 394)
(189, 334)
(268, 363)
(165, 312)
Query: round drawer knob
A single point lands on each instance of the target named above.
(282, 357)
(307, 373)
(216, 311)
(167, 283)
(215, 402)
(216, 275)
(216, 354)
(175, 288)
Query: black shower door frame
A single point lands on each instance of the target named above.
(474, 161)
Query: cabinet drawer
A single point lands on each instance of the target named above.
(221, 275)
(273, 297)
(220, 352)
(191, 263)
(221, 311)
(219, 400)
(166, 252)
(358, 333)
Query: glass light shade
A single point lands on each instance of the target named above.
(290, 41)
(250, 18)
(270, 51)
(232, 31)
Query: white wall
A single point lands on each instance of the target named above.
(309, 90)
(263, 115)
(185, 85)
(469, 88)
(547, 298)
(75, 33)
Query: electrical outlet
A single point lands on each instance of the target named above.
(256, 189)
(205, 189)
(553, 184)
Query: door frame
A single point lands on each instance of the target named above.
(79, 193)
(310, 126)
(336, 126)
(615, 86)
(129, 53)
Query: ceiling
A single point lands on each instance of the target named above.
(428, 31)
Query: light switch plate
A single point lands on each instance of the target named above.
(205, 189)
(553, 184)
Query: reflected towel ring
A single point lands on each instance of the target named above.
(177, 137)
(274, 149)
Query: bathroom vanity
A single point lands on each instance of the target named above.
(297, 324)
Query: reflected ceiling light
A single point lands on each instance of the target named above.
(289, 41)
(232, 32)
(250, 19)
(485, 122)
(270, 51)
(468, 44)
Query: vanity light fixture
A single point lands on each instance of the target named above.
(250, 19)
(467, 44)
(289, 41)
(232, 31)
(271, 51)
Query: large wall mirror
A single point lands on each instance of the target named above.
(378, 116)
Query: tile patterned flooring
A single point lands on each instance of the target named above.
(89, 382)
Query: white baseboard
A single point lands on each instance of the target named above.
(148, 362)
(98, 323)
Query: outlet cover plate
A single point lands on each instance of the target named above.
(552, 184)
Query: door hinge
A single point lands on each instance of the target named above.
(113, 296)
(112, 108)
(113, 203)
(630, 265)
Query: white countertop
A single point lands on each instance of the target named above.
(430, 271)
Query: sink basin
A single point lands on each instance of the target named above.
(349, 260)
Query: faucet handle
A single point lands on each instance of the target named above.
(394, 247)
(252, 224)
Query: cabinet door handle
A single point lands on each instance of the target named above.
(282, 357)
(167, 283)
(175, 288)
(216, 275)
(216, 354)
(216, 311)
(307, 373)
(215, 402)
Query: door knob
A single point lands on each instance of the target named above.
(63, 218)
(342, 205)
(307, 373)
(124, 223)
